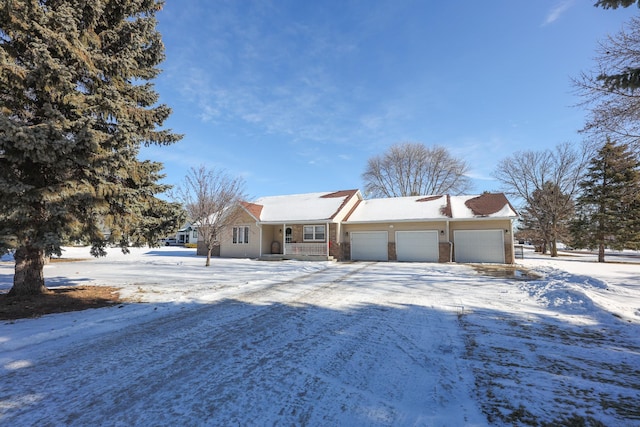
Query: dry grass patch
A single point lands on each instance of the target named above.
(58, 300)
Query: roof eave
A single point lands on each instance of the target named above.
(440, 219)
(382, 221)
(298, 221)
(483, 218)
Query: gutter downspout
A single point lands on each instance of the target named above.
(284, 239)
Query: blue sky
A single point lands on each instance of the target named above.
(296, 95)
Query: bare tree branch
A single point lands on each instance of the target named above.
(412, 169)
(212, 199)
(612, 91)
(546, 183)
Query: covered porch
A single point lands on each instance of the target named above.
(295, 241)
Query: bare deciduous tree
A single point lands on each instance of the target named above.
(212, 200)
(546, 183)
(611, 92)
(550, 212)
(412, 169)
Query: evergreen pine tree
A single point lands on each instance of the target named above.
(75, 106)
(608, 208)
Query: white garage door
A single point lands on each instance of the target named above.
(419, 246)
(479, 246)
(369, 246)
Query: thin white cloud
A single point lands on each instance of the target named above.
(277, 77)
(557, 11)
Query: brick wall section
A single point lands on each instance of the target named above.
(445, 251)
(296, 233)
(391, 251)
(333, 229)
(346, 251)
(335, 249)
(508, 253)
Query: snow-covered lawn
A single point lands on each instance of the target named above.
(311, 343)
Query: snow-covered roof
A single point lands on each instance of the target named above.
(325, 206)
(433, 208)
(399, 209)
(300, 207)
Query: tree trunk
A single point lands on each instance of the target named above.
(208, 262)
(553, 248)
(29, 274)
(601, 252)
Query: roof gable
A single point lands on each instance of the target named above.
(346, 195)
(323, 206)
(253, 209)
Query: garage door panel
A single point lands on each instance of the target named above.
(369, 246)
(417, 246)
(479, 246)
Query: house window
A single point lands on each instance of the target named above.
(240, 235)
(313, 232)
(288, 235)
(195, 233)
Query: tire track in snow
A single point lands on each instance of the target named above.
(309, 350)
(126, 368)
(344, 359)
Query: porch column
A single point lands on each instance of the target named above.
(284, 239)
(327, 237)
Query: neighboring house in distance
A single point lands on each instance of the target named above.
(188, 233)
(342, 225)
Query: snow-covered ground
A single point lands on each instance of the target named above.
(312, 343)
